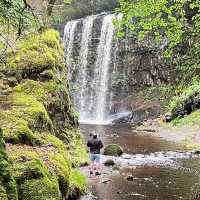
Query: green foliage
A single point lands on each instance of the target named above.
(183, 93)
(189, 120)
(160, 19)
(16, 14)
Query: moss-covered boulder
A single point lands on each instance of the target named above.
(113, 150)
(109, 162)
(39, 123)
(77, 184)
(8, 189)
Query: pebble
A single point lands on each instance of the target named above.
(106, 180)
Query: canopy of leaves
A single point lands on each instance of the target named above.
(16, 16)
(174, 25)
(172, 19)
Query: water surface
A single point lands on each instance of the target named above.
(179, 181)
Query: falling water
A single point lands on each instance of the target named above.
(92, 76)
(69, 34)
(102, 66)
(83, 75)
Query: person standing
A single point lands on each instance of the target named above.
(95, 145)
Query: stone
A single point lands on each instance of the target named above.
(109, 162)
(113, 150)
(106, 180)
(197, 152)
(129, 177)
(127, 156)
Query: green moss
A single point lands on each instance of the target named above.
(113, 150)
(3, 195)
(78, 181)
(77, 148)
(34, 169)
(63, 169)
(32, 119)
(44, 53)
(7, 182)
(47, 74)
(26, 116)
(109, 162)
(41, 162)
(40, 189)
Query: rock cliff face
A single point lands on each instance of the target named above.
(39, 124)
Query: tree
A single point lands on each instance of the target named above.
(16, 16)
(172, 19)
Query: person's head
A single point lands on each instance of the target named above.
(95, 136)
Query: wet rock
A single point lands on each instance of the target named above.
(113, 150)
(106, 180)
(167, 118)
(197, 152)
(48, 145)
(109, 162)
(146, 129)
(24, 159)
(130, 177)
(127, 156)
(116, 168)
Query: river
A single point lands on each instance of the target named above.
(160, 169)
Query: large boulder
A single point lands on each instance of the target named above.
(113, 150)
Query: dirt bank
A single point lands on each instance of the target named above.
(189, 135)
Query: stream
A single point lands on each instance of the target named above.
(159, 169)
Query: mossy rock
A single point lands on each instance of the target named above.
(113, 150)
(77, 184)
(109, 162)
(3, 195)
(40, 189)
(47, 75)
(37, 52)
(33, 169)
(25, 117)
(8, 187)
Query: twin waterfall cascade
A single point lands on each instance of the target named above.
(90, 71)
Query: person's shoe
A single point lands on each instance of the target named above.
(97, 173)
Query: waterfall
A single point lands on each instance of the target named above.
(102, 66)
(69, 34)
(83, 77)
(92, 75)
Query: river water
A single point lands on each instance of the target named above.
(161, 170)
